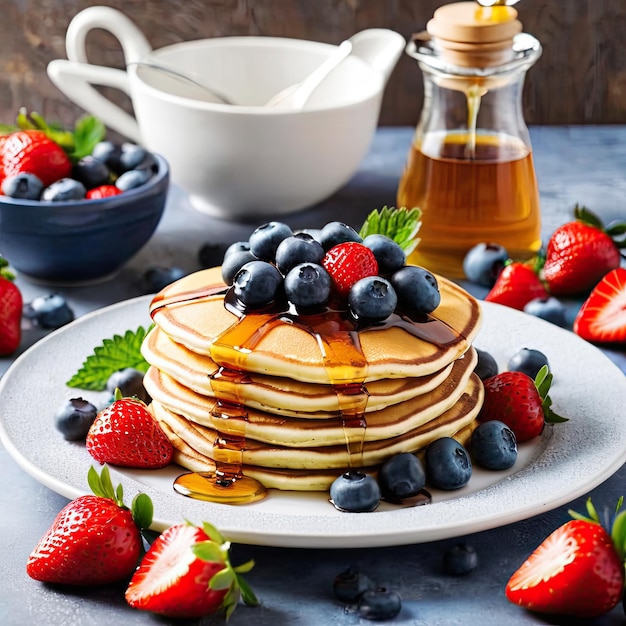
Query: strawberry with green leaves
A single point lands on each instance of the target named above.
(520, 402)
(11, 304)
(95, 539)
(516, 285)
(126, 434)
(187, 573)
(602, 317)
(577, 571)
(581, 252)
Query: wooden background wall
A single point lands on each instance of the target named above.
(580, 79)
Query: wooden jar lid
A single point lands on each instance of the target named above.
(469, 34)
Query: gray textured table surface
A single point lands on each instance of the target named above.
(574, 165)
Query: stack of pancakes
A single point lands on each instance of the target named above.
(305, 398)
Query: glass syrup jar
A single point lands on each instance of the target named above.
(470, 167)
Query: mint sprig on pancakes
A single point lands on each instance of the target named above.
(401, 225)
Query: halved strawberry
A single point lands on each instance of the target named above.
(348, 262)
(103, 191)
(520, 402)
(602, 317)
(11, 303)
(578, 570)
(517, 284)
(186, 573)
(126, 434)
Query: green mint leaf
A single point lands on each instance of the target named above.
(88, 131)
(113, 354)
(401, 225)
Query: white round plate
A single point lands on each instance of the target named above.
(567, 461)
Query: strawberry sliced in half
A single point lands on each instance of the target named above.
(602, 317)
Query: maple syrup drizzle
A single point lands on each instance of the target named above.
(337, 336)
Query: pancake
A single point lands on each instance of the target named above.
(317, 349)
(313, 469)
(279, 395)
(311, 431)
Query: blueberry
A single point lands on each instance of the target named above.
(91, 172)
(459, 559)
(355, 492)
(400, 477)
(299, 248)
(528, 361)
(157, 277)
(307, 285)
(335, 233)
(132, 179)
(265, 239)
(24, 186)
(448, 464)
(233, 262)
(549, 309)
(372, 298)
(389, 255)
(211, 254)
(238, 246)
(63, 190)
(350, 585)
(109, 153)
(257, 284)
(379, 604)
(417, 289)
(484, 262)
(130, 383)
(74, 419)
(494, 446)
(486, 366)
(49, 311)
(134, 157)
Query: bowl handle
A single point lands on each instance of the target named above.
(76, 76)
(380, 48)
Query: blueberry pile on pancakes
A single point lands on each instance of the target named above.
(305, 355)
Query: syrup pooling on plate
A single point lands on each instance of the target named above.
(337, 336)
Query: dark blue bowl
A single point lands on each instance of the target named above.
(81, 241)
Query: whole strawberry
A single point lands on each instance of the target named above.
(580, 253)
(126, 434)
(520, 402)
(348, 262)
(577, 571)
(33, 152)
(11, 304)
(94, 540)
(516, 285)
(186, 573)
(602, 317)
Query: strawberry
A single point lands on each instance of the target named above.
(348, 262)
(602, 317)
(94, 540)
(186, 573)
(103, 191)
(517, 284)
(520, 402)
(11, 303)
(580, 253)
(34, 152)
(577, 571)
(125, 433)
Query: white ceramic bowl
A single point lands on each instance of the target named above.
(245, 160)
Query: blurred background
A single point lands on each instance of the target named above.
(580, 79)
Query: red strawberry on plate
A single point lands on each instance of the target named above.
(34, 152)
(520, 402)
(186, 573)
(577, 571)
(580, 253)
(94, 540)
(517, 284)
(11, 303)
(602, 317)
(347, 263)
(125, 433)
